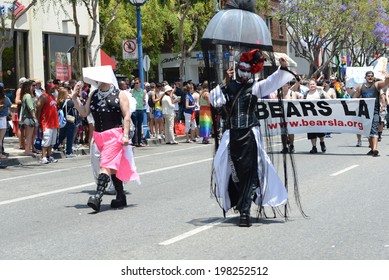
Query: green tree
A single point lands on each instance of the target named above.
(322, 30)
(167, 25)
(369, 41)
(109, 10)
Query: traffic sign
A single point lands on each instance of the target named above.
(130, 49)
(146, 63)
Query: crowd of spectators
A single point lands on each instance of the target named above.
(170, 110)
(178, 108)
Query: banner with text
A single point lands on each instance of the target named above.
(322, 115)
(356, 75)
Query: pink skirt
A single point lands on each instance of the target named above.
(115, 156)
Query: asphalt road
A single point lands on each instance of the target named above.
(171, 215)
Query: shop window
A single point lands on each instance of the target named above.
(269, 23)
(14, 60)
(170, 74)
(57, 52)
(281, 28)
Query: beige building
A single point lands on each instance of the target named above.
(43, 40)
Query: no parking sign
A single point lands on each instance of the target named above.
(130, 49)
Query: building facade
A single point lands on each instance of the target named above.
(168, 67)
(43, 40)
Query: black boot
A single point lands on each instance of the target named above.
(121, 200)
(323, 147)
(244, 220)
(95, 200)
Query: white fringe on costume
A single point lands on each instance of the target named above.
(270, 192)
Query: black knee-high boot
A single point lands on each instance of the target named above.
(121, 199)
(95, 200)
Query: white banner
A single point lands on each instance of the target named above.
(381, 68)
(356, 75)
(322, 115)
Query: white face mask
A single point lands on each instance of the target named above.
(55, 93)
(244, 73)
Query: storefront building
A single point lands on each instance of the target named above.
(169, 67)
(44, 38)
(194, 70)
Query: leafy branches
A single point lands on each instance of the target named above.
(322, 30)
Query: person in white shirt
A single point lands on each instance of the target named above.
(168, 112)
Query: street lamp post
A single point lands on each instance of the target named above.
(137, 4)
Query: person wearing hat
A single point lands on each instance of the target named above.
(20, 128)
(242, 171)
(111, 138)
(371, 89)
(38, 87)
(168, 114)
(336, 85)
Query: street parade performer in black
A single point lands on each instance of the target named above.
(111, 113)
(242, 171)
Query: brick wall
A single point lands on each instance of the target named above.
(279, 39)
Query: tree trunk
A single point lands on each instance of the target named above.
(76, 63)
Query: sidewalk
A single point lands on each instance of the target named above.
(17, 157)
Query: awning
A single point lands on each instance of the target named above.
(277, 56)
(107, 60)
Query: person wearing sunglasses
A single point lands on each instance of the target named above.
(137, 117)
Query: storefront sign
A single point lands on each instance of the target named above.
(170, 59)
(63, 70)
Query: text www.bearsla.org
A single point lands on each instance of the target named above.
(333, 122)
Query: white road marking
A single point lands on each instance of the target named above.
(83, 166)
(344, 170)
(45, 194)
(93, 184)
(175, 166)
(195, 231)
(42, 173)
(169, 152)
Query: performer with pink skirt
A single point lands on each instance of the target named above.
(111, 113)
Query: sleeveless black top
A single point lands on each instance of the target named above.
(372, 92)
(106, 110)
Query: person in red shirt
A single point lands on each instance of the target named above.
(47, 114)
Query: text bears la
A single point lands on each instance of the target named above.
(306, 108)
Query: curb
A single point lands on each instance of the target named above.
(16, 159)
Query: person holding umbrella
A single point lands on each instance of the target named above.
(242, 170)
